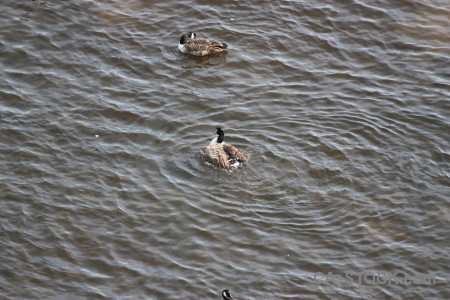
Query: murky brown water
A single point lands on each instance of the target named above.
(342, 106)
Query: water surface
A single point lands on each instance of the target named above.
(342, 107)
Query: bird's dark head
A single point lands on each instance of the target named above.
(220, 133)
(186, 36)
(226, 295)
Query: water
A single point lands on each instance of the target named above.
(342, 107)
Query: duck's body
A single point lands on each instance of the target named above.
(198, 46)
(223, 155)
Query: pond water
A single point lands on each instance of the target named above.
(342, 106)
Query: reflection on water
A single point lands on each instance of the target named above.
(342, 109)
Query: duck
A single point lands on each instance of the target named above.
(223, 155)
(199, 46)
(226, 295)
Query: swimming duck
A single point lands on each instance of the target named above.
(226, 295)
(222, 154)
(198, 46)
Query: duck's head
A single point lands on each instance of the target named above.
(220, 133)
(226, 295)
(186, 36)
